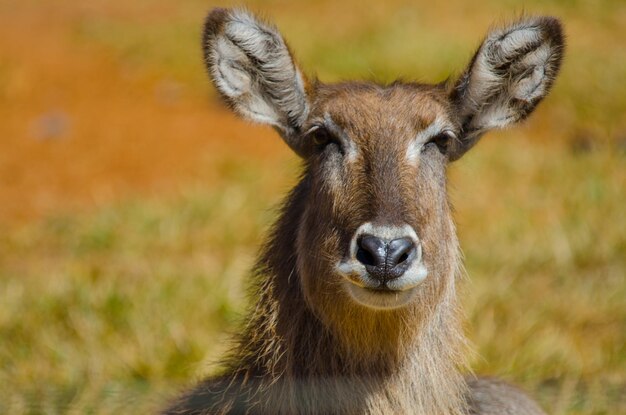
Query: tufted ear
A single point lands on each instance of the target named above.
(512, 71)
(252, 68)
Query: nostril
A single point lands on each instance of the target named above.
(401, 251)
(371, 251)
(364, 257)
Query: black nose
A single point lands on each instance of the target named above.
(383, 259)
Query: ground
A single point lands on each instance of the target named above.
(132, 202)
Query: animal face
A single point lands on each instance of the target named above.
(375, 231)
(379, 216)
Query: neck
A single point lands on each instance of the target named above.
(307, 368)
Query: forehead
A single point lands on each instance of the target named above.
(366, 111)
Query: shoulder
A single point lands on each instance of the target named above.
(490, 396)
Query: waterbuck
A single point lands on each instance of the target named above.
(354, 308)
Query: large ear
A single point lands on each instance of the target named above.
(510, 74)
(252, 68)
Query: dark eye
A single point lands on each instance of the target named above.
(321, 138)
(440, 140)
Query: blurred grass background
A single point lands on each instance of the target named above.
(132, 203)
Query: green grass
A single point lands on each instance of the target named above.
(106, 309)
(547, 297)
(110, 312)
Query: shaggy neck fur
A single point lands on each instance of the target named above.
(286, 361)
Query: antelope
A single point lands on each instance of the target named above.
(354, 305)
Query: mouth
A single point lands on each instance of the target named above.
(379, 298)
(370, 292)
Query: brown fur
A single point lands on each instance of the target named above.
(307, 347)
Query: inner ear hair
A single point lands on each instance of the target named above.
(252, 68)
(510, 73)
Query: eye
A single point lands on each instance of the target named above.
(322, 138)
(440, 140)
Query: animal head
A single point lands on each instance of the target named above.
(375, 234)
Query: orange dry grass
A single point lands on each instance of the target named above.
(123, 128)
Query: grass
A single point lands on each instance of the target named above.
(113, 306)
(99, 310)
(109, 312)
